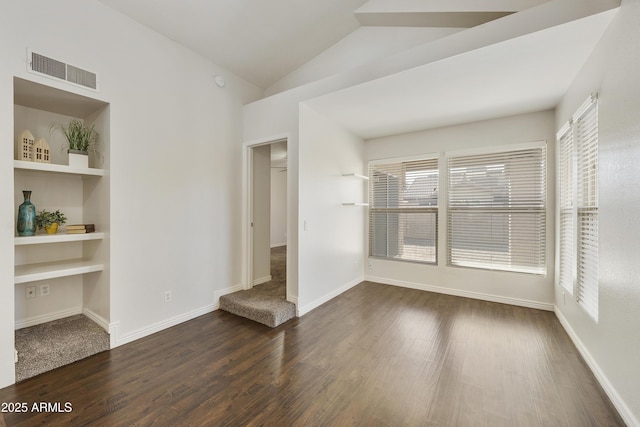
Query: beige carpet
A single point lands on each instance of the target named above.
(50, 345)
(266, 303)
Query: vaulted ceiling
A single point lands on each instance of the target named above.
(518, 75)
(263, 41)
(410, 64)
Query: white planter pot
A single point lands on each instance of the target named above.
(78, 159)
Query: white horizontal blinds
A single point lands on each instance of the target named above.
(403, 210)
(566, 177)
(497, 210)
(586, 134)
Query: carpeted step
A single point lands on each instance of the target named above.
(265, 303)
(266, 309)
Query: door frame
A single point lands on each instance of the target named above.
(247, 205)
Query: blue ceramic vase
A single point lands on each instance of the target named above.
(26, 216)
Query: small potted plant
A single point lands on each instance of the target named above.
(50, 220)
(81, 139)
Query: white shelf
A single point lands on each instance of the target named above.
(355, 204)
(356, 175)
(51, 167)
(56, 238)
(51, 270)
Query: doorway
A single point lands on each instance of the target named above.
(266, 215)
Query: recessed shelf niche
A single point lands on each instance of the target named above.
(75, 266)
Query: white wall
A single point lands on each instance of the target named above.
(175, 156)
(612, 345)
(332, 235)
(278, 207)
(514, 288)
(277, 117)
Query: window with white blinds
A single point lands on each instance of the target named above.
(566, 178)
(578, 144)
(496, 216)
(403, 210)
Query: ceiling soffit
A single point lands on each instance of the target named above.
(428, 19)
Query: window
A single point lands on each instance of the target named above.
(496, 216)
(566, 177)
(578, 171)
(403, 210)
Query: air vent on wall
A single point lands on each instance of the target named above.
(59, 70)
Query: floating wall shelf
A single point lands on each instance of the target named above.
(359, 176)
(356, 175)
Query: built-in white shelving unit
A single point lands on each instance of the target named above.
(66, 267)
(73, 267)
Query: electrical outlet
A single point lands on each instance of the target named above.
(45, 290)
(370, 264)
(30, 292)
(167, 296)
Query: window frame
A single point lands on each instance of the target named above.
(540, 270)
(430, 209)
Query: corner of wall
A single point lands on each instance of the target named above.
(617, 401)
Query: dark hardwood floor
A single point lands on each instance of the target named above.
(376, 355)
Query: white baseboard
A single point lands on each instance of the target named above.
(114, 333)
(118, 340)
(293, 299)
(111, 328)
(608, 388)
(463, 293)
(262, 280)
(49, 317)
(104, 324)
(277, 245)
(301, 311)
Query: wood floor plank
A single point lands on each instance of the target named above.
(375, 355)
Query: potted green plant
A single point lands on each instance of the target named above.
(81, 138)
(50, 220)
